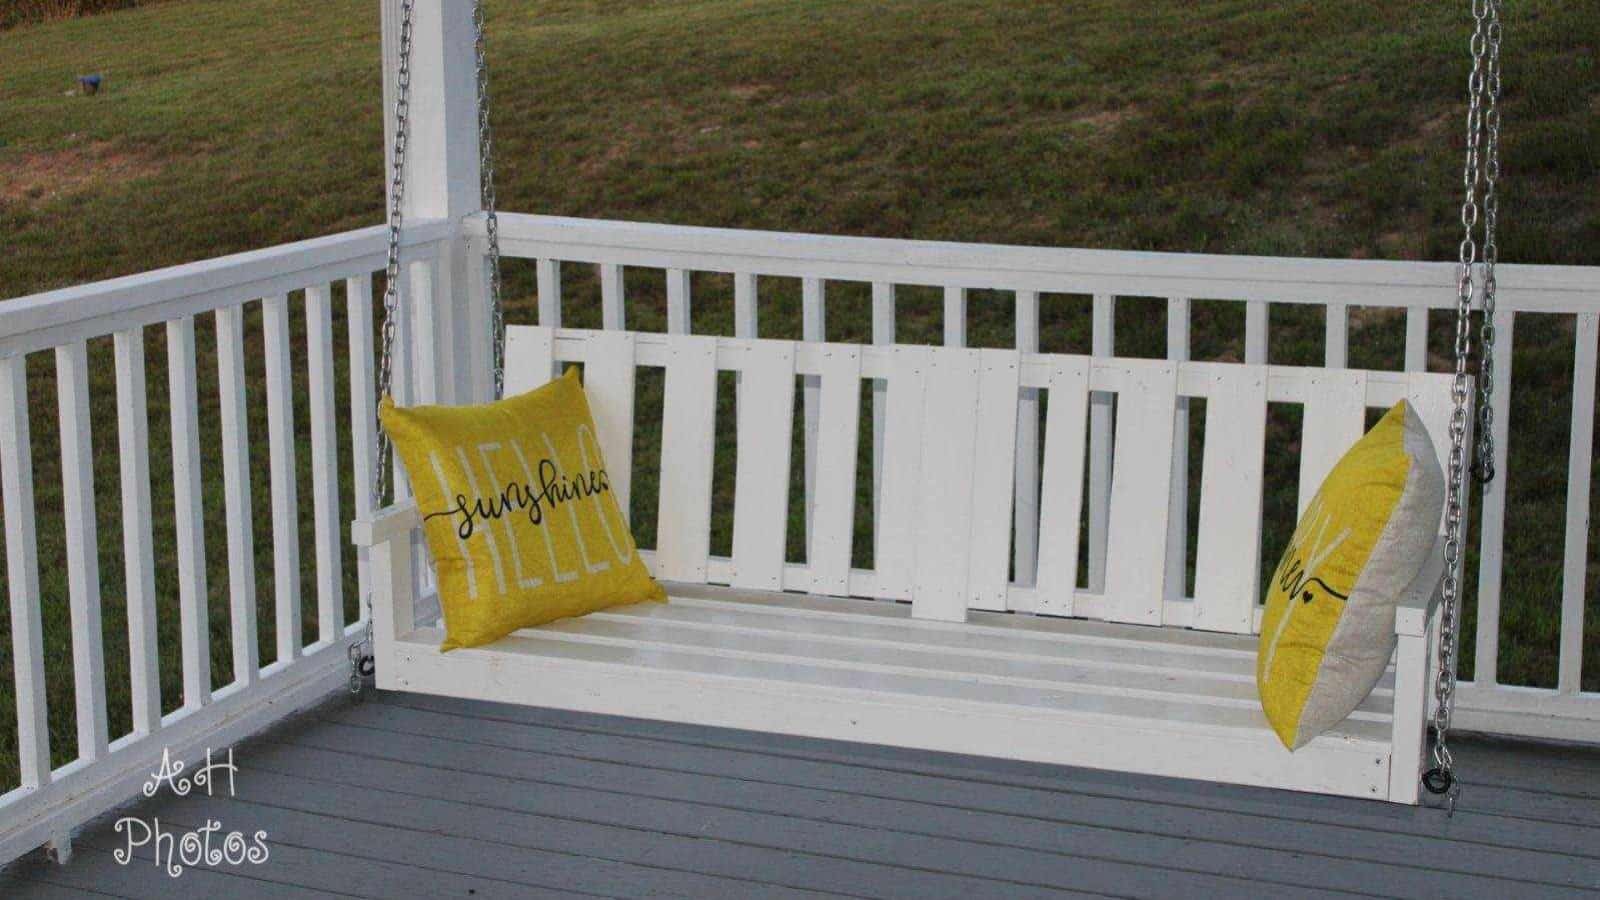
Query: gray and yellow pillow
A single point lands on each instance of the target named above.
(1328, 633)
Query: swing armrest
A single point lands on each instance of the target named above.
(384, 525)
(1418, 602)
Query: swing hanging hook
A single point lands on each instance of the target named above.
(1442, 782)
(1438, 781)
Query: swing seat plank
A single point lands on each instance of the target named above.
(1139, 679)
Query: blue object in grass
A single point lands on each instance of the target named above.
(89, 83)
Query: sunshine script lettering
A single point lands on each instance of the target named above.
(532, 500)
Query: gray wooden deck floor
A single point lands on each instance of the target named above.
(411, 796)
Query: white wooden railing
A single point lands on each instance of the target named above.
(292, 281)
(1256, 283)
(296, 283)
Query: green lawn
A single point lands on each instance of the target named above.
(1291, 128)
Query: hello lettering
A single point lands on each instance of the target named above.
(1294, 581)
(1313, 543)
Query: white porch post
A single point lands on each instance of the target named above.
(441, 182)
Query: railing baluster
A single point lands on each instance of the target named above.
(547, 273)
(402, 376)
(1580, 458)
(188, 514)
(324, 462)
(285, 503)
(745, 312)
(1025, 509)
(444, 322)
(1255, 332)
(678, 302)
(1417, 339)
(363, 417)
(1178, 517)
(133, 453)
(613, 313)
(1491, 556)
(83, 561)
(955, 316)
(236, 493)
(424, 303)
(476, 377)
(1102, 343)
(813, 327)
(1336, 335)
(22, 574)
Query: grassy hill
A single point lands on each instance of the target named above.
(1291, 128)
(24, 12)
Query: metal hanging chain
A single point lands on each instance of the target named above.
(360, 653)
(391, 293)
(391, 285)
(1485, 468)
(497, 320)
(1482, 90)
(361, 661)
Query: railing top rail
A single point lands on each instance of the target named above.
(47, 319)
(52, 318)
(1541, 288)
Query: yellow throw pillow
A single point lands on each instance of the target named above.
(1328, 633)
(518, 511)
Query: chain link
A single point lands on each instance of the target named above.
(1482, 87)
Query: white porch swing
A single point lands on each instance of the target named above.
(1129, 675)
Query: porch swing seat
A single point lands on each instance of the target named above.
(939, 644)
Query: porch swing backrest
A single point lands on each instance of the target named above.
(942, 518)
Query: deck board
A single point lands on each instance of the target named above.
(409, 795)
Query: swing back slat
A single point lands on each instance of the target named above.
(683, 525)
(610, 373)
(894, 558)
(944, 495)
(834, 497)
(1141, 479)
(993, 486)
(765, 415)
(1228, 551)
(1335, 417)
